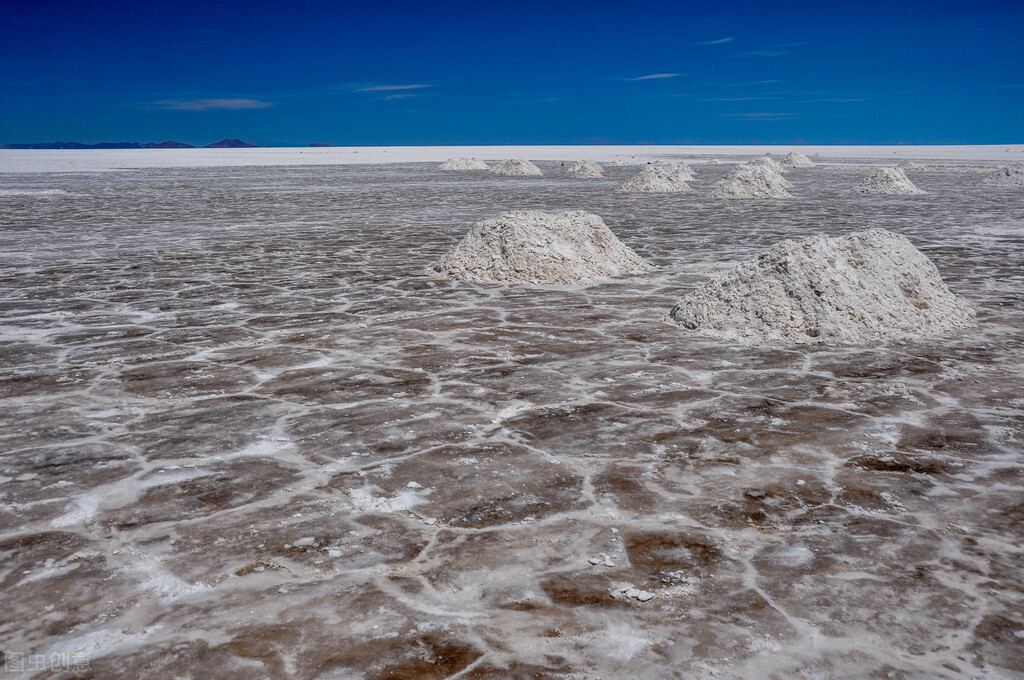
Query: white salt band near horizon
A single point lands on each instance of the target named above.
(869, 286)
(529, 246)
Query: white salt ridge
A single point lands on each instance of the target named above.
(529, 246)
(753, 180)
(660, 179)
(1012, 176)
(463, 164)
(33, 192)
(868, 286)
(908, 165)
(888, 181)
(363, 500)
(516, 167)
(585, 170)
(795, 159)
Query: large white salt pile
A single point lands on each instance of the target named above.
(463, 164)
(585, 170)
(890, 181)
(529, 246)
(752, 181)
(1012, 176)
(869, 286)
(516, 167)
(660, 179)
(795, 159)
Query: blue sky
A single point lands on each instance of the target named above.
(367, 73)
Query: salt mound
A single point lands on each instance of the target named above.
(890, 181)
(907, 164)
(767, 162)
(463, 164)
(795, 159)
(1012, 176)
(516, 167)
(869, 286)
(529, 246)
(752, 181)
(660, 179)
(585, 170)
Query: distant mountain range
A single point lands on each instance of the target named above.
(222, 144)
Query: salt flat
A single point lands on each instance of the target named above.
(97, 160)
(244, 435)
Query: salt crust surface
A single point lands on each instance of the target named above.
(463, 164)
(795, 159)
(1012, 176)
(660, 179)
(753, 180)
(585, 169)
(890, 181)
(529, 246)
(865, 287)
(516, 167)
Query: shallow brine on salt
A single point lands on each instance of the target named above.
(244, 435)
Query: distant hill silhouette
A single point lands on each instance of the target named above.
(319, 144)
(101, 145)
(230, 144)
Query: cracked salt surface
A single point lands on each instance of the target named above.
(245, 435)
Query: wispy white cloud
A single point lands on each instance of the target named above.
(399, 96)
(212, 104)
(656, 76)
(720, 41)
(737, 99)
(389, 88)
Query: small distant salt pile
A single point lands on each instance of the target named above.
(463, 164)
(869, 286)
(1012, 176)
(752, 181)
(529, 246)
(795, 159)
(516, 167)
(585, 170)
(889, 181)
(660, 179)
(714, 161)
(767, 161)
(907, 165)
